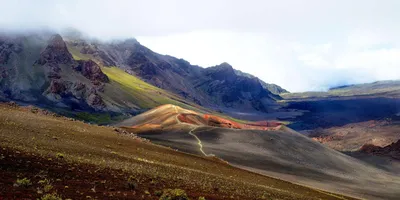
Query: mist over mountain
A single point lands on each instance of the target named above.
(307, 46)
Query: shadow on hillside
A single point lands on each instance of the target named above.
(326, 113)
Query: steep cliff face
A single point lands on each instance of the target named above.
(18, 78)
(37, 69)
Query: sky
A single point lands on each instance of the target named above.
(301, 45)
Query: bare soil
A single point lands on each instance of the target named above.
(97, 162)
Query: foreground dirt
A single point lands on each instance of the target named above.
(72, 180)
(87, 161)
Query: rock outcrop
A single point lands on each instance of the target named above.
(392, 150)
(57, 87)
(56, 59)
(91, 70)
(95, 100)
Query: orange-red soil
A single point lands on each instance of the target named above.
(212, 120)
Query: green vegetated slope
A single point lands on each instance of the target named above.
(102, 162)
(128, 90)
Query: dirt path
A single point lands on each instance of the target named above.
(191, 132)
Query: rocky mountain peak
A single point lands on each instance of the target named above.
(55, 52)
(131, 41)
(223, 71)
(57, 41)
(225, 66)
(128, 44)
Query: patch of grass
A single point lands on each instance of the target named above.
(202, 198)
(174, 194)
(53, 196)
(97, 118)
(25, 182)
(76, 54)
(145, 94)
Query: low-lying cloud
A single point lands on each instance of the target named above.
(300, 45)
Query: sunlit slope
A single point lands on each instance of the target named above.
(282, 153)
(155, 166)
(143, 94)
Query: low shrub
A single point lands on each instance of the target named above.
(46, 185)
(60, 155)
(158, 193)
(132, 183)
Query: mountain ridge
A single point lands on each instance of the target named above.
(388, 88)
(178, 75)
(67, 72)
(39, 69)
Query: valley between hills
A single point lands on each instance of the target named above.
(85, 119)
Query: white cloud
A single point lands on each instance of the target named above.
(371, 59)
(313, 60)
(315, 55)
(300, 45)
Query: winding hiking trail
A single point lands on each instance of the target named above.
(198, 140)
(191, 132)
